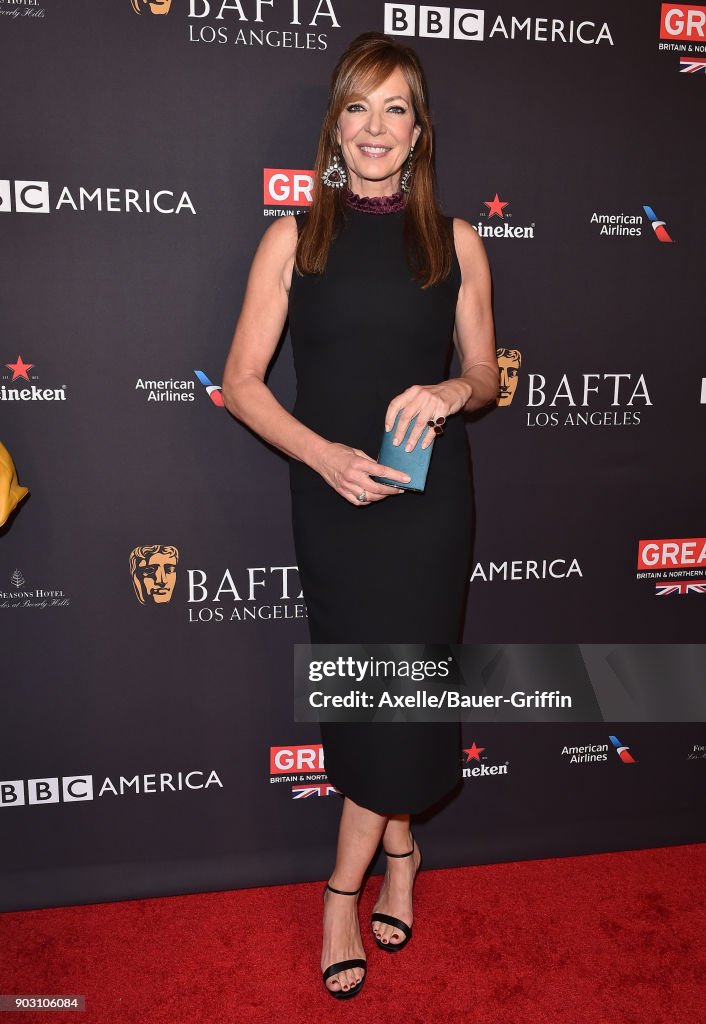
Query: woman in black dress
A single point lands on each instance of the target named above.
(378, 286)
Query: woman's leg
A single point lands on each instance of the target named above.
(396, 892)
(358, 837)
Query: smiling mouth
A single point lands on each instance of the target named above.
(374, 151)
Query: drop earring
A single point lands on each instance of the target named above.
(335, 174)
(405, 179)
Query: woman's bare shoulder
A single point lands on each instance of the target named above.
(275, 253)
(465, 233)
(281, 235)
(469, 245)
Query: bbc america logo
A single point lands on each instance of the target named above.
(33, 197)
(435, 22)
(30, 196)
(469, 23)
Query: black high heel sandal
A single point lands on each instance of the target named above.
(344, 965)
(406, 929)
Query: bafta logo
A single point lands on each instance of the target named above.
(153, 572)
(154, 6)
(509, 361)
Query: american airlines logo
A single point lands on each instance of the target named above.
(622, 751)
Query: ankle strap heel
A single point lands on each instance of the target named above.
(402, 926)
(408, 854)
(344, 965)
(342, 892)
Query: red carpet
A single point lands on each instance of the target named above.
(597, 939)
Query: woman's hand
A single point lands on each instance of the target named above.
(347, 470)
(428, 402)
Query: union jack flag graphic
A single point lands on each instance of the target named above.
(302, 792)
(663, 588)
(692, 65)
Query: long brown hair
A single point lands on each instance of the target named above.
(366, 63)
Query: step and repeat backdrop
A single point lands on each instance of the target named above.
(149, 594)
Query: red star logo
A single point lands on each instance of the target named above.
(496, 206)
(473, 752)
(19, 369)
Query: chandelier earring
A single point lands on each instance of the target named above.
(406, 177)
(335, 174)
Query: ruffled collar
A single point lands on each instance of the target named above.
(375, 204)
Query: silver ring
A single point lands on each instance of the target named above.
(362, 496)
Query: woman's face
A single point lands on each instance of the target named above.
(376, 133)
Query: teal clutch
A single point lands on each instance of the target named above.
(415, 463)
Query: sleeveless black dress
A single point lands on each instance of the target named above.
(394, 571)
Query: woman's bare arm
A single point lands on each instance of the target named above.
(474, 334)
(259, 327)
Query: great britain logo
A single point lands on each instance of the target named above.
(682, 23)
(302, 768)
(692, 65)
(676, 565)
(286, 190)
(682, 30)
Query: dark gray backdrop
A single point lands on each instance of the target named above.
(101, 687)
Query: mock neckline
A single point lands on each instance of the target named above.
(375, 204)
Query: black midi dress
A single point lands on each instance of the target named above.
(396, 570)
